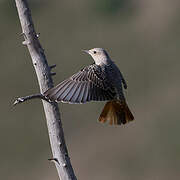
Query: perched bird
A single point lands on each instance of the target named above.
(101, 81)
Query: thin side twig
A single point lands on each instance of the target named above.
(27, 98)
(43, 72)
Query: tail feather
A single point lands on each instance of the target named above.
(116, 113)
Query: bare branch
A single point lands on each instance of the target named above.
(56, 135)
(26, 98)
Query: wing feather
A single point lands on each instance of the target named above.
(76, 94)
(89, 84)
(85, 96)
(71, 92)
(66, 90)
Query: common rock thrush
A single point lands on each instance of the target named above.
(101, 81)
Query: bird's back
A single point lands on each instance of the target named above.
(114, 76)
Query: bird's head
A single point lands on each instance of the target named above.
(99, 55)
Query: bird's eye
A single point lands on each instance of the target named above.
(94, 52)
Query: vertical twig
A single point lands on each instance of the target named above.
(56, 135)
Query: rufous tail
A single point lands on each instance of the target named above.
(116, 112)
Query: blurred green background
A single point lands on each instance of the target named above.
(143, 39)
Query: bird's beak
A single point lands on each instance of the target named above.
(86, 51)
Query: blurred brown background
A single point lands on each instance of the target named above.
(143, 37)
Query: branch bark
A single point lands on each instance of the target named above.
(43, 71)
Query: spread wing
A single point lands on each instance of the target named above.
(89, 84)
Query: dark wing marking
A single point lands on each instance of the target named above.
(89, 84)
(123, 81)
